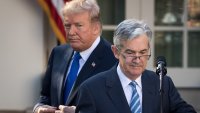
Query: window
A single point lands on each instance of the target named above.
(112, 13)
(193, 49)
(177, 31)
(170, 45)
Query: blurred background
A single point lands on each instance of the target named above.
(27, 38)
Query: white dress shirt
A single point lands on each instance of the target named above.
(85, 55)
(127, 88)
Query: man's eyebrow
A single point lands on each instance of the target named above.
(66, 23)
(144, 50)
(130, 50)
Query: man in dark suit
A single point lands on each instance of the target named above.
(128, 87)
(83, 28)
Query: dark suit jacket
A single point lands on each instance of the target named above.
(53, 83)
(104, 94)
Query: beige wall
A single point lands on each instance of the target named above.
(22, 53)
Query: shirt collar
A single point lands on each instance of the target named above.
(139, 81)
(85, 54)
(125, 80)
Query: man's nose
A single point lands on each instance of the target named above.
(137, 59)
(72, 30)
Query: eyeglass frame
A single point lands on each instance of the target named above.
(135, 57)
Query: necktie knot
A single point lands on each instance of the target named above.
(133, 84)
(77, 56)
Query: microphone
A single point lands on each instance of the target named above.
(161, 71)
(161, 65)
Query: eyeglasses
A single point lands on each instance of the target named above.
(132, 57)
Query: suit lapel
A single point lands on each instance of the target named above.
(88, 69)
(63, 69)
(83, 75)
(116, 92)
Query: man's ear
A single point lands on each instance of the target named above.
(96, 28)
(115, 51)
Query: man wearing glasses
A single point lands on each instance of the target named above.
(128, 87)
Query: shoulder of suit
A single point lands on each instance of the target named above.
(105, 47)
(105, 42)
(149, 74)
(152, 75)
(63, 47)
(102, 76)
(97, 78)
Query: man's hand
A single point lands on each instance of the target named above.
(66, 109)
(46, 109)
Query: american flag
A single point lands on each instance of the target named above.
(53, 10)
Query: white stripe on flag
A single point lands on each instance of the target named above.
(58, 4)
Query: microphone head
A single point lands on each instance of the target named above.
(161, 59)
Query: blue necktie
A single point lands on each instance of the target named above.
(72, 75)
(135, 100)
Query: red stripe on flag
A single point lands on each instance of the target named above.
(66, 0)
(55, 20)
(56, 17)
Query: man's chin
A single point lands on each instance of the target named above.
(75, 46)
(137, 71)
(136, 68)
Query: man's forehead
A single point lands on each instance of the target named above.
(132, 47)
(136, 50)
(84, 14)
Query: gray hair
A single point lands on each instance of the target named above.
(79, 6)
(129, 29)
